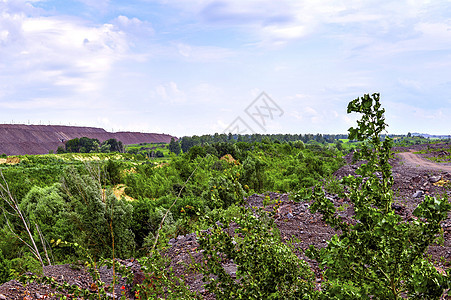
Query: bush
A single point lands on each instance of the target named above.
(380, 256)
(5, 273)
(98, 216)
(266, 268)
(223, 192)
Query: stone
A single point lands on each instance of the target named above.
(434, 179)
(396, 207)
(418, 194)
(191, 237)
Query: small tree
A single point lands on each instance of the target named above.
(174, 147)
(266, 267)
(60, 150)
(7, 197)
(101, 220)
(5, 272)
(378, 255)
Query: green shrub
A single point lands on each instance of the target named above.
(25, 263)
(378, 255)
(98, 216)
(223, 191)
(5, 273)
(266, 268)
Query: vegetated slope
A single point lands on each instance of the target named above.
(39, 139)
(293, 219)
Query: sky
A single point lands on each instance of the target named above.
(192, 67)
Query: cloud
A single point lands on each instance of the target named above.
(280, 22)
(56, 52)
(101, 5)
(245, 12)
(193, 53)
(197, 94)
(169, 92)
(134, 26)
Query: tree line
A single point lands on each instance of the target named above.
(87, 145)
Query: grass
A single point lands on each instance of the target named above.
(145, 148)
(439, 159)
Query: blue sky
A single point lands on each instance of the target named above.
(195, 66)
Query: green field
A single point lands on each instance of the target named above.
(149, 150)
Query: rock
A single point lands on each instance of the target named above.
(110, 296)
(191, 237)
(231, 269)
(396, 207)
(434, 179)
(138, 277)
(418, 194)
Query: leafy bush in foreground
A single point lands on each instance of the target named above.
(266, 267)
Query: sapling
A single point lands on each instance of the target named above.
(378, 255)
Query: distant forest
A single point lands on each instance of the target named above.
(187, 142)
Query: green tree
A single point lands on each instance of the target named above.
(266, 267)
(378, 255)
(174, 147)
(253, 173)
(101, 219)
(60, 150)
(73, 145)
(46, 208)
(5, 273)
(115, 145)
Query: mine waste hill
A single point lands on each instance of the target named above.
(16, 139)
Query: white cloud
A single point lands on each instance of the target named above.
(134, 26)
(193, 53)
(101, 5)
(49, 104)
(279, 22)
(197, 94)
(57, 52)
(169, 92)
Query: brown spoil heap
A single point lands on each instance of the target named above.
(16, 139)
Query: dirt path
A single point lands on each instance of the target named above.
(414, 160)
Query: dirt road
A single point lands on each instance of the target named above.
(414, 160)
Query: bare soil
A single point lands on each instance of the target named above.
(16, 139)
(414, 160)
(414, 178)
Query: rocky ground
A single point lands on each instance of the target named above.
(414, 178)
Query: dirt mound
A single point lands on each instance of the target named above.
(40, 139)
(229, 158)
